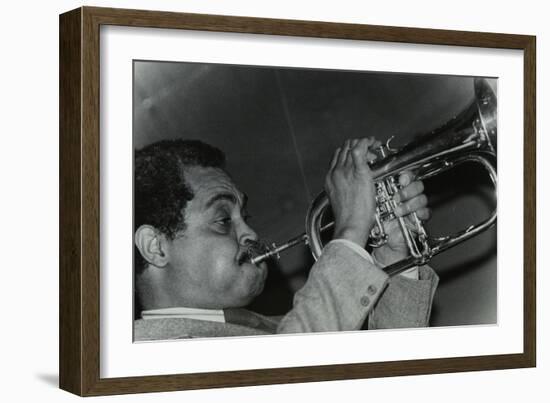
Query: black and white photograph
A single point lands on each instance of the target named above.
(245, 201)
(276, 200)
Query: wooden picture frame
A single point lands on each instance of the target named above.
(79, 346)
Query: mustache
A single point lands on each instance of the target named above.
(251, 250)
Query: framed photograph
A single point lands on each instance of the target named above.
(249, 201)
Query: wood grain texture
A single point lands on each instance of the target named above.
(220, 23)
(70, 274)
(90, 201)
(530, 203)
(80, 197)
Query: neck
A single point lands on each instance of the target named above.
(156, 289)
(151, 291)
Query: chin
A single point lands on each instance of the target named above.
(259, 283)
(251, 282)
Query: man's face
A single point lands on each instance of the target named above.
(206, 267)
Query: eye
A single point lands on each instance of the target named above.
(224, 221)
(223, 224)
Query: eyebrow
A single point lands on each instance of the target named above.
(230, 197)
(221, 196)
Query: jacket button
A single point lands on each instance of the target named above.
(371, 290)
(365, 301)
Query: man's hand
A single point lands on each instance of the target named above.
(410, 199)
(350, 189)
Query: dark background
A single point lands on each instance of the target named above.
(279, 128)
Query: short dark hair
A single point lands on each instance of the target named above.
(160, 190)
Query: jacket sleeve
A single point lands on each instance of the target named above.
(405, 302)
(342, 289)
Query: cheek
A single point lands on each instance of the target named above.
(214, 270)
(206, 257)
(217, 257)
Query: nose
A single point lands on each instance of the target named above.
(246, 234)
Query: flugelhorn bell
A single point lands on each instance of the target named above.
(469, 137)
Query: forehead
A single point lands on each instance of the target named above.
(209, 182)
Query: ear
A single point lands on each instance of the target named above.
(151, 245)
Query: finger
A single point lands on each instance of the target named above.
(371, 157)
(343, 153)
(361, 152)
(408, 192)
(371, 154)
(406, 177)
(412, 205)
(371, 141)
(353, 147)
(352, 143)
(335, 158)
(424, 214)
(359, 160)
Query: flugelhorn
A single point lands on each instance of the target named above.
(469, 137)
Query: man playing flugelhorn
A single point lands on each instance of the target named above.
(193, 271)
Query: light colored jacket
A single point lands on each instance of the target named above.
(344, 291)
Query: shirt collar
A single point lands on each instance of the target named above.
(212, 315)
